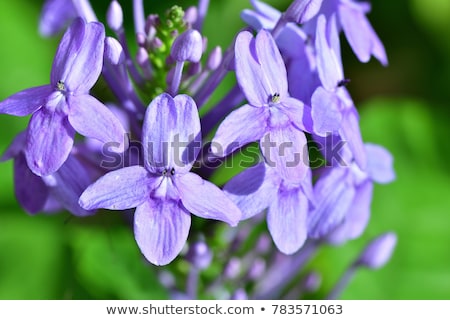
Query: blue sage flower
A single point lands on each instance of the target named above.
(164, 192)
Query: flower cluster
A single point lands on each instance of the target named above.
(311, 174)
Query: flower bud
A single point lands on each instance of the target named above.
(188, 46)
(214, 58)
(301, 11)
(378, 252)
(114, 16)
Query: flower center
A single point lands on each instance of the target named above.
(274, 98)
(60, 86)
(168, 172)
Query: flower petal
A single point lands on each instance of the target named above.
(206, 200)
(253, 190)
(25, 102)
(286, 220)
(379, 164)
(171, 133)
(161, 229)
(16, 147)
(357, 216)
(285, 149)
(79, 58)
(244, 125)
(334, 193)
(325, 112)
(249, 73)
(30, 190)
(329, 66)
(272, 64)
(120, 189)
(351, 134)
(55, 15)
(67, 184)
(93, 119)
(298, 112)
(49, 140)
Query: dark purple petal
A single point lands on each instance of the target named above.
(30, 190)
(326, 112)
(286, 220)
(16, 147)
(253, 190)
(161, 229)
(249, 73)
(272, 64)
(79, 58)
(357, 217)
(285, 150)
(206, 200)
(120, 189)
(25, 102)
(329, 66)
(55, 15)
(49, 140)
(379, 164)
(244, 125)
(93, 119)
(171, 133)
(334, 193)
(67, 184)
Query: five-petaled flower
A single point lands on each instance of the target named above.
(65, 105)
(164, 191)
(271, 114)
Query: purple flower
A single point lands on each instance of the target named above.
(164, 191)
(261, 187)
(65, 106)
(50, 193)
(344, 195)
(271, 115)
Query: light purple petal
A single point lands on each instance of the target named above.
(161, 229)
(360, 34)
(55, 15)
(30, 190)
(253, 190)
(302, 76)
(79, 58)
(93, 119)
(285, 150)
(249, 73)
(120, 189)
(244, 125)
(334, 194)
(206, 200)
(266, 10)
(328, 66)
(299, 114)
(351, 134)
(379, 164)
(325, 112)
(49, 140)
(272, 64)
(25, 102)
(286, 220)
(171, 133)
(256, 20)
(67, 184)
(357, 217)
(303, 10)
(379, 251)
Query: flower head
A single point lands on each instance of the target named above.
(164, 192)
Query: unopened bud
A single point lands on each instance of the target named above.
(114, 16)
(188, 46)
(378, 252)
(214, 58)
(301, 11)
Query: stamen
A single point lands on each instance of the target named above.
(60, 86)
(343, 82)
(275, 98)
(172, 171)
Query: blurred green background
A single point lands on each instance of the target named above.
(404, 107)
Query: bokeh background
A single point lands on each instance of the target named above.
(404, 107)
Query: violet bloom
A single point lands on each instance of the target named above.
(271, 115)
(261, 187)
(60, 190)
(344, 196)
(65, 106)
(164, 191)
